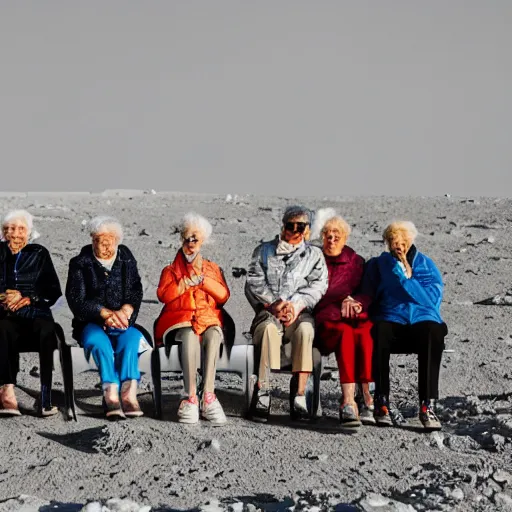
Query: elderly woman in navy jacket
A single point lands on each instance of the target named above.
(408, 289)
(104, 292)
(29, 286)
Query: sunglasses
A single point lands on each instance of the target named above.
(190, 240)
(296, 227)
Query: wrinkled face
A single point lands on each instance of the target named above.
(16, 233)
(399, 243)
(296, 230)
(193, 239)
(104, 244)
(334, 239)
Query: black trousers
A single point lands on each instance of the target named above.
(26, 335)
(423, 338)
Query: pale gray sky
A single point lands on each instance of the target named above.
(283, 97)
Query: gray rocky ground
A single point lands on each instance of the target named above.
(147, 464)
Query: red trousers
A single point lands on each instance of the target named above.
(352, 345)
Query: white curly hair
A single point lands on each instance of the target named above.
(194, 220)
(328, 215)
(23, 216)
(104, 223)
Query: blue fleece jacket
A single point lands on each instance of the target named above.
(399, 299)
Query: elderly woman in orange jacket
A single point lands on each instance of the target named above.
(193, 290)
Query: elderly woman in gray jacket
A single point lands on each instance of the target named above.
(286, 279)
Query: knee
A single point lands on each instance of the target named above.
(94, 338)
(268, 330)
(130, 339)
(305, 332)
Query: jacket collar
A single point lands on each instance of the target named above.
(344, 257)
(411, 254)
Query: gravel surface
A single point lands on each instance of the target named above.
(145, 464)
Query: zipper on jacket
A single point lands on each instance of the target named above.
(16, 270)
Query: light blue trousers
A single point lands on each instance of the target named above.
(116, 354)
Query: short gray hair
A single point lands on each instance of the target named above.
(297, 211)
(192, 219)
(105, 223)
(25, 217)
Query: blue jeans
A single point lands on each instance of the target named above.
(116, 354)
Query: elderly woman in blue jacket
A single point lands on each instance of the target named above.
(407, 288)
(104, 293)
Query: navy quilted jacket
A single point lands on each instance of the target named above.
(31, 271)
(91, 286)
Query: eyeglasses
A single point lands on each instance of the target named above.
(190, 240)
(298, 227)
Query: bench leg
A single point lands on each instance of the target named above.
(157, 382)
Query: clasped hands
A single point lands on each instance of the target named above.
(194, 280)
(119, 319)
(13, 300)
(350, 308)
(284, 311)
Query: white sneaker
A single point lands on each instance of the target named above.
(300, 405)
(211, 410)
(188, 411)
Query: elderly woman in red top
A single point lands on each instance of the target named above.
(194, 290)
(341, 319)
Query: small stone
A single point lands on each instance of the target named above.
(250, 507)
(93, 506)
(229, 198)
(502, 500)
(437, 439)
(215, 445)
(84, 222)
(457, 494)
(153, 192)
(498, 442)
(323, 457)
(502, 477)
(119, 505)
(490, 239)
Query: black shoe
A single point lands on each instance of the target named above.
(261, 402)
(428, 417)
(381, 412)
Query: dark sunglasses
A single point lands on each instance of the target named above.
(191, 240)
(298, 227)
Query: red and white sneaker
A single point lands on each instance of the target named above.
(211, 409)
(188, 411)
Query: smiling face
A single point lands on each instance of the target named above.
(104, 244)
(16, 234)
(296, 229)
(334, 238)
(399, 243)
(193, 239)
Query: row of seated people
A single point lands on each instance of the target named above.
(301, 294)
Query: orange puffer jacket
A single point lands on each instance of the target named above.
(198, 306)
